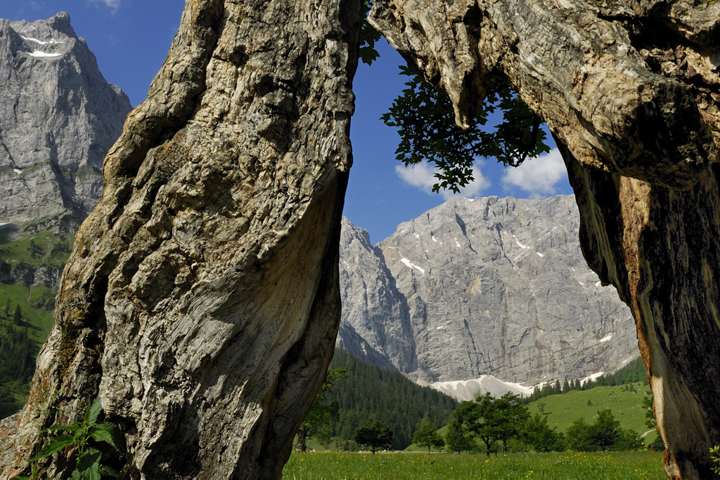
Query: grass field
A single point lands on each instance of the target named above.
(446, 466)
(625, 401)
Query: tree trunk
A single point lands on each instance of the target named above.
(200, 303)
(631, 91)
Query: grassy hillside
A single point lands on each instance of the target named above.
(29, 267)
(18, 258)
(625, 401)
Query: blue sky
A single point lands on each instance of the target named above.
(131, 37)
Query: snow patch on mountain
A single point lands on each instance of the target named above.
(411, 265)
(41, 54)
(464, 390)
(591, 378)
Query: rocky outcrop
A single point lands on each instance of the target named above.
(200, 303)
(489, 286)
(631, 91)
(373, 308)
(58, 117)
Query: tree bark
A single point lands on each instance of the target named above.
(631, 91)
(200, 303)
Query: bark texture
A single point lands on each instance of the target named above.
(631, 91)
(200, 302)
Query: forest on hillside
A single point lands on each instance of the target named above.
(18, 363)
(367, 393)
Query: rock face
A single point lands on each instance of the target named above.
(58, 117)
(631, 91)
(201, 303)
(373, 307)
(488, 286)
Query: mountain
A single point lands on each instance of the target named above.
(58, 117)
(491, 294)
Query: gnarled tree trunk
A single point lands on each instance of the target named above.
(631, 92)
(200, 303)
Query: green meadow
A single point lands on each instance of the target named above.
(447, 466)
(625, 401)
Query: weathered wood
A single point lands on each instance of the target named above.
(631, 90)
(200, 302)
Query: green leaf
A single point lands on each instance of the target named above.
(56, 444)
(105, 433)
(92, 473)
(93, 412)
(88, 465)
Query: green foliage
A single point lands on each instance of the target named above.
(424, 118)
(440, 466)
(88, 446)
(25, 310)
(426, 435)
(714, 457)
(539, 435)
(630, 375)
(493, 420)
(656, 445)
(368, 392)
(457, 439)
(318, 420)
(650, 420)
(374, 435)
(633, 372)
(368, 37)
(18, 351)
(602, 435)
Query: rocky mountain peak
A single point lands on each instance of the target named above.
(58, 117)
(480, 288)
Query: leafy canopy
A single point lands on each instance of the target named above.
(426, 435)
(374, 436)
(424, 118)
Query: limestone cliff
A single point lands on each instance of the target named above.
(487, 286)
(58, 118)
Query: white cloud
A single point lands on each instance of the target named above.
(537, 176)
(422, 176)
(113, 5)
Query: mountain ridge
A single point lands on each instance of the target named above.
(492, 286)
(58, 118)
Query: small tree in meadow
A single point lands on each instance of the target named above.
(374, 436)
(426, 435)
(317, 421)
(541, 436)
(456, 438)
